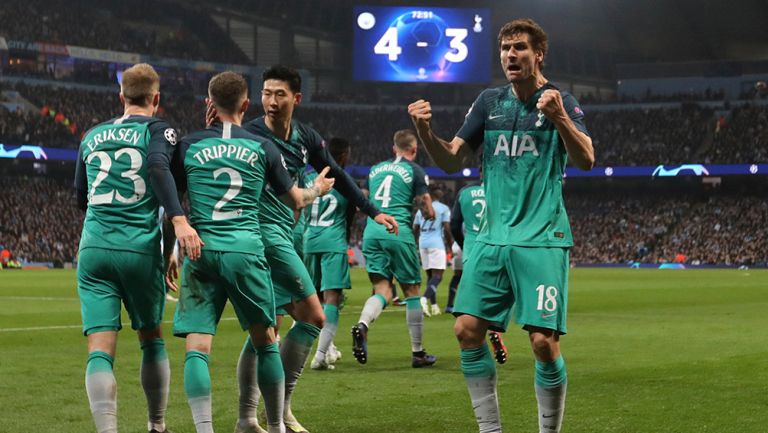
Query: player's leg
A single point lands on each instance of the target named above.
(425, 265)
(155, 377)
(100, 308)
(197, 380)
(485, 300)
(551, 378)
(270, 377)
(197, 314)
(100, 383)
(540, 278)
(334, 278)
(145, 302)
(414, 318)
(405, 267)
(247, 281)
(332, 298)
(458, 262)
(452, 288)
(432, 284)
(295, 292)
(374, 305)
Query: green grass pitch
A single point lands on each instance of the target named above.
(648, 351)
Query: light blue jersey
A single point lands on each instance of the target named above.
(432, 234)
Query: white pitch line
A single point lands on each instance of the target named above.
(57, 327)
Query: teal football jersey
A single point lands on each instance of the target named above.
(122, 207)
(326, 223)
(393, 185)
(226, 170)
(523, 161)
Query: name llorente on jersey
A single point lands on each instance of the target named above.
(226, 151)
(520, 144)
(124, 135)
(397, 168)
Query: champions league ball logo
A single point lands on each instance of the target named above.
(424, 45)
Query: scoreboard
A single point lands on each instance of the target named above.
(421, 44)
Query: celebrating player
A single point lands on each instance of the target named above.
(299, 144)
(226, 170)
(122, 176)
(434, 239)
(325, 254)
(528, 129)
(395, 184)
(468, 211)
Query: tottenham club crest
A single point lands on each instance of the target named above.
(541, 119)
(304, 154)
(170, 136)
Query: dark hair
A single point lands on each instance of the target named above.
(228, 90)
(528, 26)
(337, 147)
(436, 191)
(284, 73)
(405, 139)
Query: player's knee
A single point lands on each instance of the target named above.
(544, 346)
(468, 336)
(150, 334)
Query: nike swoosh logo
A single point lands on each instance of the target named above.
(549, 416)
(495, 117)
(547, 316)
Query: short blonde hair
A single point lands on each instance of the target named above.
(139, 84)
(228, 91)
(405, 139)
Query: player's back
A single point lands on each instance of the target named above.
(122, 208)
(471, 202)
(393, 185)
(327, 223)
(226, 170)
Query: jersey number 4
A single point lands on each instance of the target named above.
(105, 164)
(384, 191)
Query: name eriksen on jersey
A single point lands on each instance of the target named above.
(125, 135)
(526, 144)
(400, 170)
(226, 151)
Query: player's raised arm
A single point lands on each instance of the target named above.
(572, 131)
(451, 156)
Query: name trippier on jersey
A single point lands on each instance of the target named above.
(124, 135)
(397, 168)
(227, 151)
(526, 143)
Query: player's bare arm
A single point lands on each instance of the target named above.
(424, 204)
(452, 155)
(447, 236)
(577, 144)
(299, 198)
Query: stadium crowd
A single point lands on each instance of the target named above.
(719, 228)
(40, 222)
(631, 137)
(141, 26)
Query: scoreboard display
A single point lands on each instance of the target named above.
(422, 44)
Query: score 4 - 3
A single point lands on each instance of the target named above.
(457, 50)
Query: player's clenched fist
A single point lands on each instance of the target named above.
(420, 112)
(551, 104)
